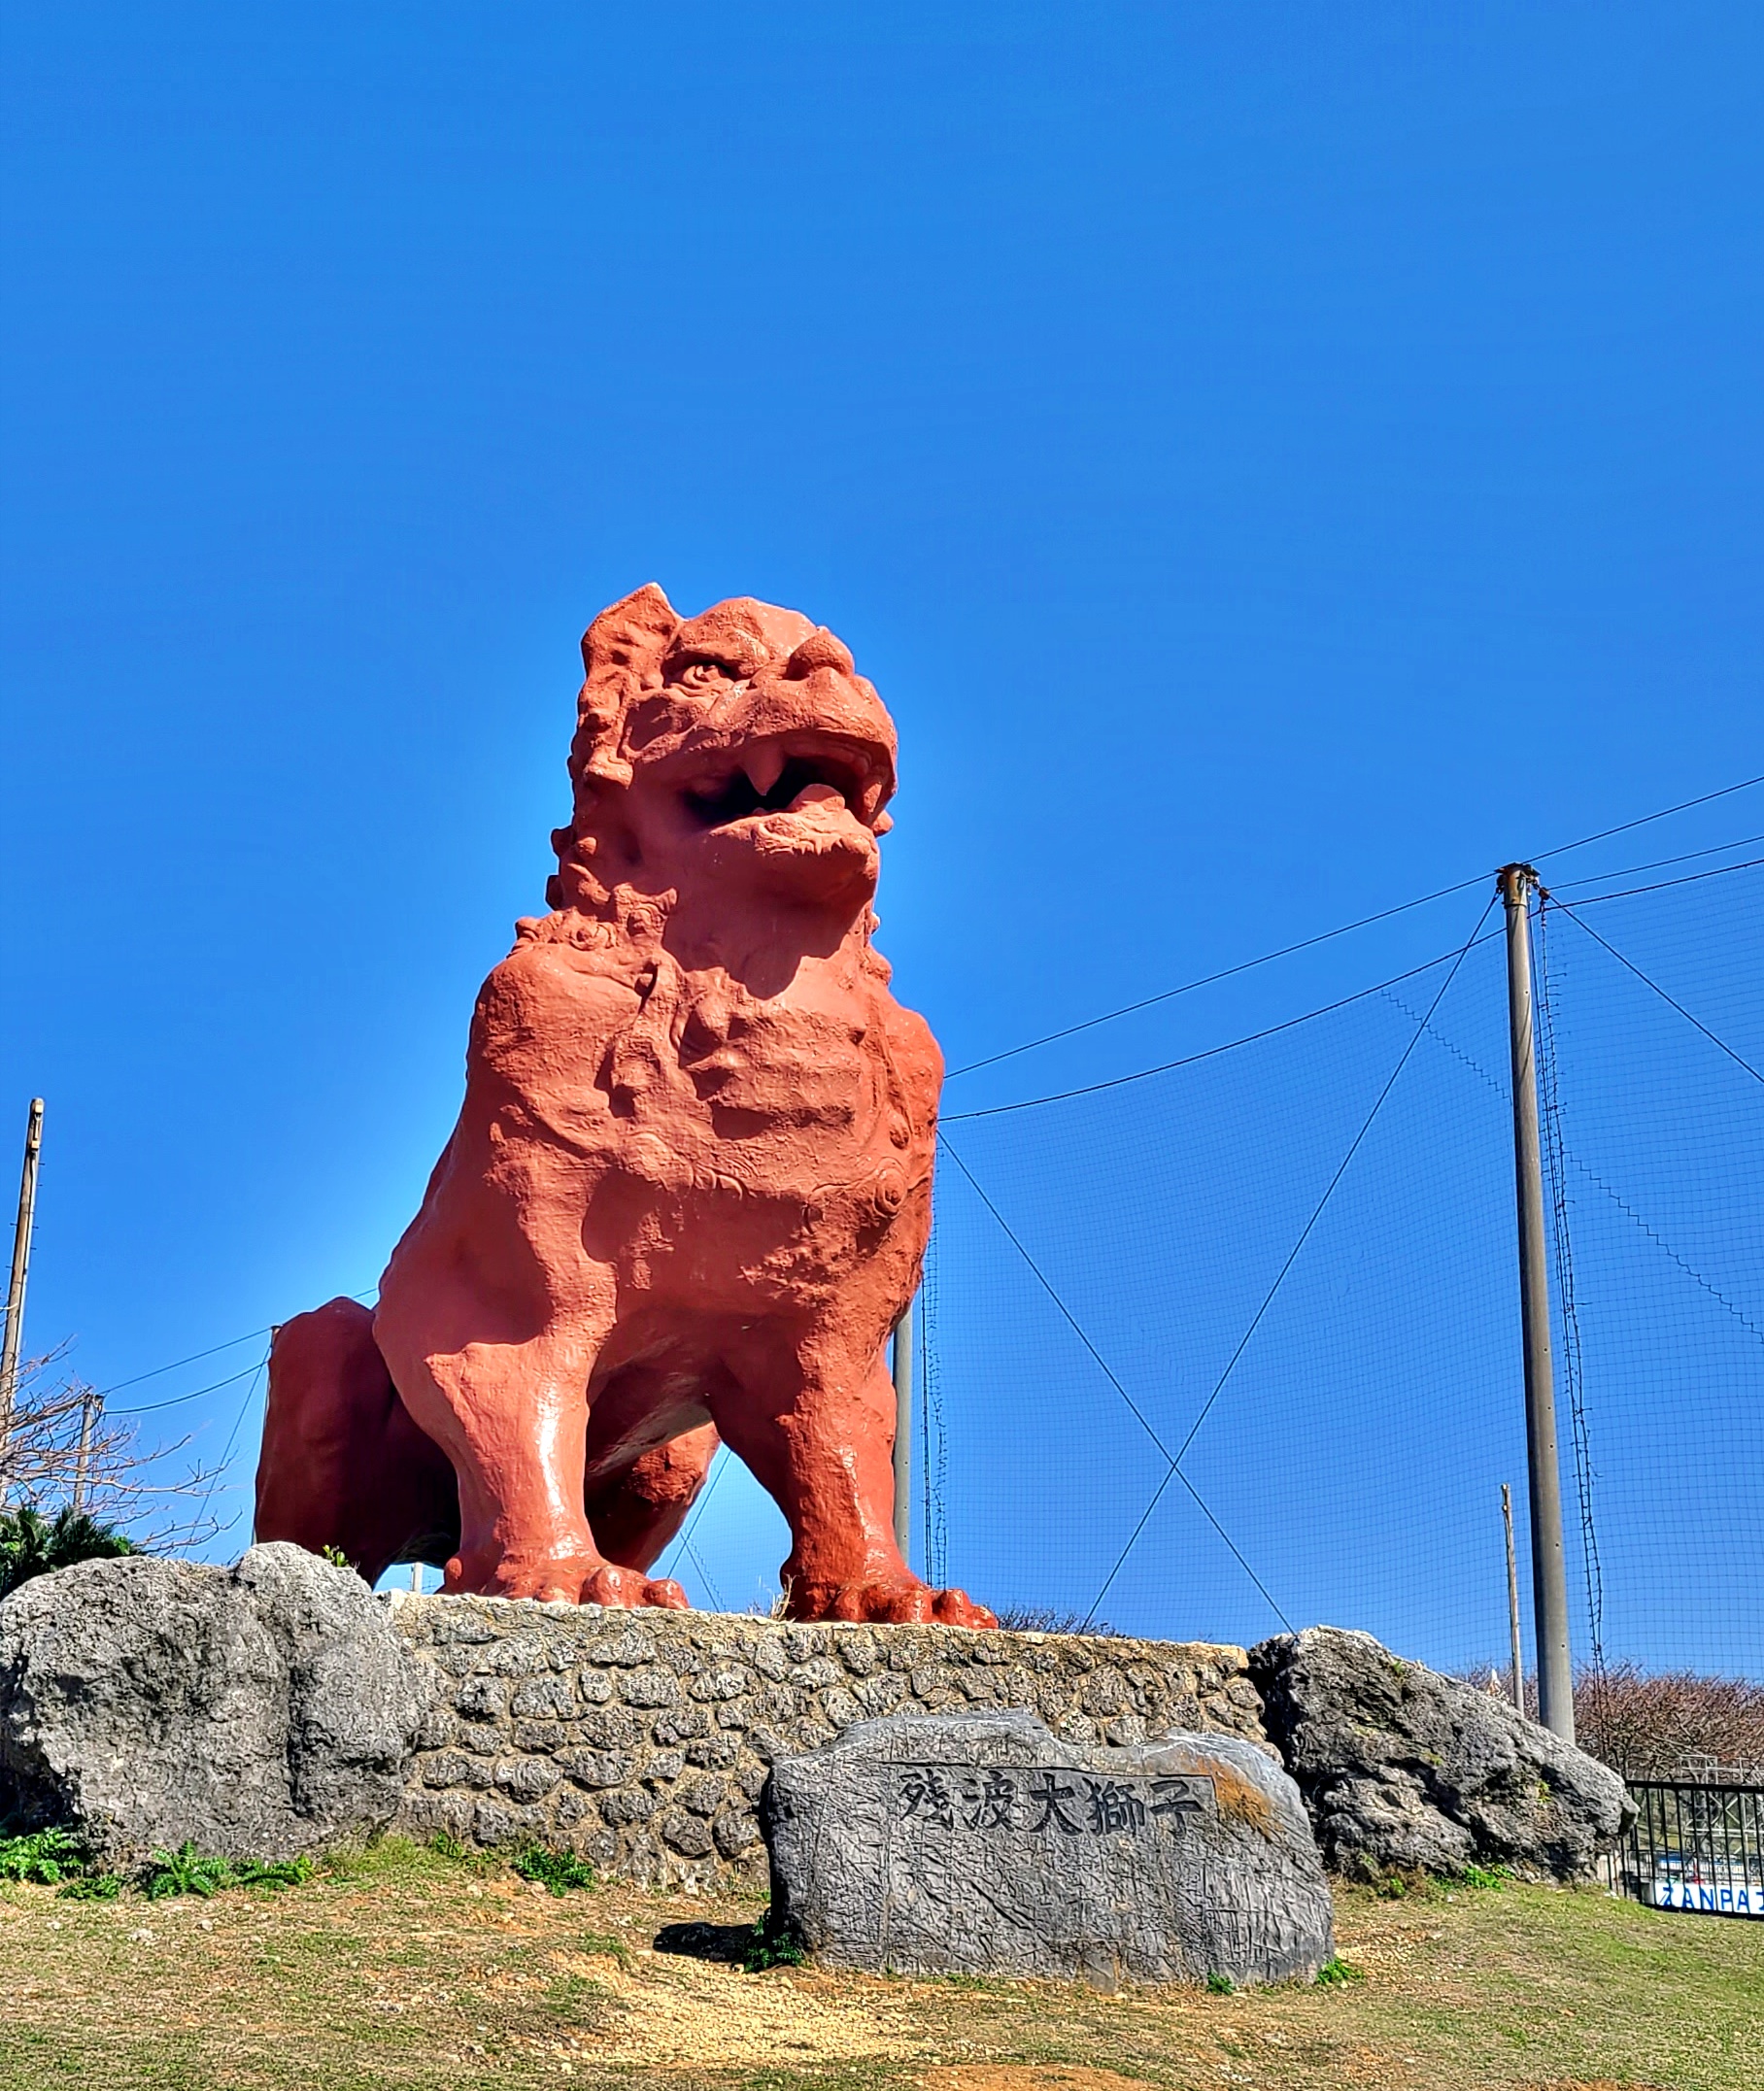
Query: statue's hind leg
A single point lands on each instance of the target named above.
(343, 1465)
(635, 1512)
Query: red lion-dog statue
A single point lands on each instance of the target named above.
(688, 1192)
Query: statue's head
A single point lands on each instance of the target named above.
(738, 746)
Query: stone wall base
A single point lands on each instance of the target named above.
(641, 1739)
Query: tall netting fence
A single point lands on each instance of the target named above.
(1655, 999)
(1234, 1344)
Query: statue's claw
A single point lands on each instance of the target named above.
(628, 1587)
(894, 1601)
(569, 1579)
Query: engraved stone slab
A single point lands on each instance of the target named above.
(984, 1844)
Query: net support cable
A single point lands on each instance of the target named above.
(1172, 1467)
(1169, 994)
(1173, 1470)
(1366, 922)
(1739, 1059)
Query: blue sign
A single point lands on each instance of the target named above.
(1734, 1896)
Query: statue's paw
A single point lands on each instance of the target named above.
(955, 1608)
(892, 1601)
(554, 1579)
(582, 1578)
(632, 1589)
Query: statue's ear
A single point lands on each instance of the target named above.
(620, 650)
(633, 634)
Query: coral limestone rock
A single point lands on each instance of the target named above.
(664, 1725)
(1404, 1768)
(257, 1711)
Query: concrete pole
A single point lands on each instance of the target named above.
(11, 1341)
(1549, 1568)
(1512, 1601)
(904, 1432)
(90, 1404)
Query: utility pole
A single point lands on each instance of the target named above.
(15, 1296)
(91, 1401)
(904, 1432)
(1512, 1601)
(1548, 1571)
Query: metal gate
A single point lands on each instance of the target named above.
(1696, 1846)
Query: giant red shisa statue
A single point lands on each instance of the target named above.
(688, 1192)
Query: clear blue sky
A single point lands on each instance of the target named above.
(1271, 460)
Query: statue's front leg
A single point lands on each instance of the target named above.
(814, 1419)
(510, 1410)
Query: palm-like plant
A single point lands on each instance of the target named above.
(32, 1544)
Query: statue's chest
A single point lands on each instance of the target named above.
(750, 1066)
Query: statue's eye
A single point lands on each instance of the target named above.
(705, 675)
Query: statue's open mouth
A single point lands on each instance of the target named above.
(797, 773)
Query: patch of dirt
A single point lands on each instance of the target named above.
(1025, 2077)
(679, 2012)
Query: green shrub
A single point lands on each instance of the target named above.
(92, 1887)
(32, 1544)
(1338, 1971)
(558, 1872)
(57, 1859)
(1221, 1985)
(1479, 1876)
(184, 1873)
(774, 1945)
(45, 1857)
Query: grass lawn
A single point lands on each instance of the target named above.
(404, 1969)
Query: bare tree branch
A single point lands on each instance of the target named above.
(64, 1449)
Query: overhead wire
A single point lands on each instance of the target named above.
(1208, 979)
(195, 1395)
(1659, 886)
(1684, 805)
(177, 1400)
(1404, 907)
(1144, 1074)
(1151, 1001)
(1231, 1045)
(1585, 899)
(1689, 857)
(195, 1357)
